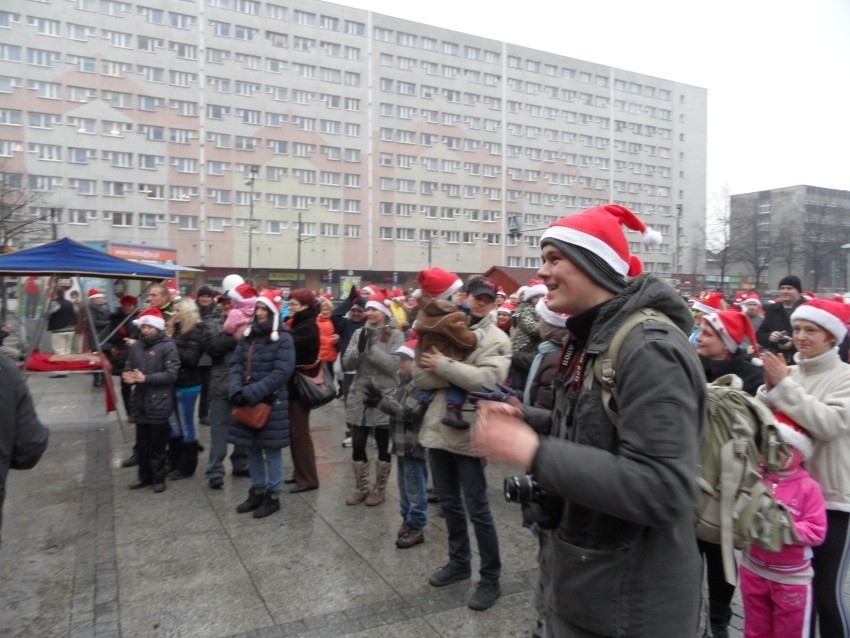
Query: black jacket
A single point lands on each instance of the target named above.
(776, 318)
(189, 347)
(64, 318)
(740, 364)
(157, 358)
(345, 327)
(23, 438)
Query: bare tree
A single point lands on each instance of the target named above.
(786, 245)
(719, 234)
(824, 237)
(751, 244)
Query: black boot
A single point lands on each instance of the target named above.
(270, 505)
(188, 461)
(158, 471)
(254, 500)
(130, 461)
(454, 419)
(175, 448)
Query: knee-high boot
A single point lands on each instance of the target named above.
(361, 483)
(382, 475)
(175, 448)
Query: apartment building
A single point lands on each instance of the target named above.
(800, 230)
(304, 140)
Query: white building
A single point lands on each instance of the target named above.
(173, 123)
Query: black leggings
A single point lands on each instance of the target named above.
(830, 564)
(720, 592)
(359, 438)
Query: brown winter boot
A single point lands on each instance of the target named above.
(382, 474)
(361, 483)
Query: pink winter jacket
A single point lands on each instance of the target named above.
(802, 495)
(240, 316)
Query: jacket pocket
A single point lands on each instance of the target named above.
(587, 586)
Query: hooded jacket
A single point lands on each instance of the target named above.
(486, 364)
(801, 494)
(623, 558)
(817, 396)
(377, 365)
(272, 364)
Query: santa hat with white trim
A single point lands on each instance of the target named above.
(708, 302)
(557, 319)
(594, 240)
(94, 293)
(408, 349)
(377, 300)
(793, 434)
(150, 317)
(242, 292)
(537, 290)
(734, 327)
(273, 300)
(439, 283)
(832, 316)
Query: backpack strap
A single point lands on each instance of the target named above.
(605, 363)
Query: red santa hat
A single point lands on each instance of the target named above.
(150, 317)
(599, 231)
(832, 316)
(708, 302)
(439, 283)
(398, 295)
(733, 327)
(94, 293)
(809, 295)
(507, 307)
(377, 300)
(557, 319)
(501, 291)
(795, 435)
(408, 349)
(242, 292)
(535, 290)
(748, 297)
(368, 291)
(273, 300)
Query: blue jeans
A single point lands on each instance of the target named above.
(219, 419)
(461, 488)
(266, 465)
(412, 476)
(184, 423)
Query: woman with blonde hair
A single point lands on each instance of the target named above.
(188, 333)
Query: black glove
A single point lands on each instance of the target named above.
(361, 342)
(373, 397)
(500, 395)
(239, 400)
(352, 294)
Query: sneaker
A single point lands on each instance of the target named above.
(402, 529)
(346, 442)
(484, 595)
(449, 573)
(412, 536)
(216, 483)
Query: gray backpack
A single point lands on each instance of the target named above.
(734, 508)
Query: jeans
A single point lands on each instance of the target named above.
(460, 481)
(184, 424)
(413, 490)
(219, 419)
(266, 465)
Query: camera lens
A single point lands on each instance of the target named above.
(519, 489)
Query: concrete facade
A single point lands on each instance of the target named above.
(356, 142)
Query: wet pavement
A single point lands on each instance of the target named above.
(84, 556)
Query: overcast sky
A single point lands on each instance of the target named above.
(777, 71)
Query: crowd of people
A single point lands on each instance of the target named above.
(454, 373)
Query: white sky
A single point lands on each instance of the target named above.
(777, 71)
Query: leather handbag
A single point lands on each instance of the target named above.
(314, 392)
(254, 416)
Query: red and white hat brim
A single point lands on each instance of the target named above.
(823, 318)
(703, 308)
(407, 351)
(150, 320)
(595, 245)
(797, 439)
(379, 305)
(457, 284)
(715, 322)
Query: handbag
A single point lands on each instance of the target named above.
(254, 416)
(314, 392)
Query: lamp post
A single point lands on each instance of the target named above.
(252, 175)
(298, 241)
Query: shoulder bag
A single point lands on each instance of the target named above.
(314, 392)
(254, 416)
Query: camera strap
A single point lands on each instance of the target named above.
(573, 363)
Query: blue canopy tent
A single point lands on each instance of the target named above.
(68, 257)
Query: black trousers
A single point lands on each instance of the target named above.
(830, 564)
(151, 440)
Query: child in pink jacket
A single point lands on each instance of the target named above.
(776, 587)
(240, 316)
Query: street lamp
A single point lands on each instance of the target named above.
(249, 181)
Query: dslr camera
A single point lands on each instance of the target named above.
(545, 508)
(784, 340)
